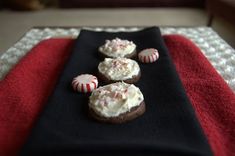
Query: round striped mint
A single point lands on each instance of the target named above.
(85, 83)
(148, 55)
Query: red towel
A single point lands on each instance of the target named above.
(211, 97)
(26, 88)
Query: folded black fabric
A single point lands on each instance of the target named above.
(168, 127)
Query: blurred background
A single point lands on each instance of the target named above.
(18, 16)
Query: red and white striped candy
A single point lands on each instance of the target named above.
(85, 83)
(148, 55)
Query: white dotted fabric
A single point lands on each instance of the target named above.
(218, 52)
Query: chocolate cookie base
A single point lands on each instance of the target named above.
(107, 80)
(124, 117)
(132, 55)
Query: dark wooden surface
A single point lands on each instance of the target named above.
(129, 3)
(221, 8)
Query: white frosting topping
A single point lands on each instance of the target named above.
(117, 48)
(115, 99)
(119, 68)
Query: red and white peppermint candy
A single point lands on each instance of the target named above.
(148, 55)
(85, 83)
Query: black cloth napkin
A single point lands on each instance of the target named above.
(168, 127)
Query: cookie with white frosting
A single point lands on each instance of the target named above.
(116, 103)
(118, 48)
(119, 69)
